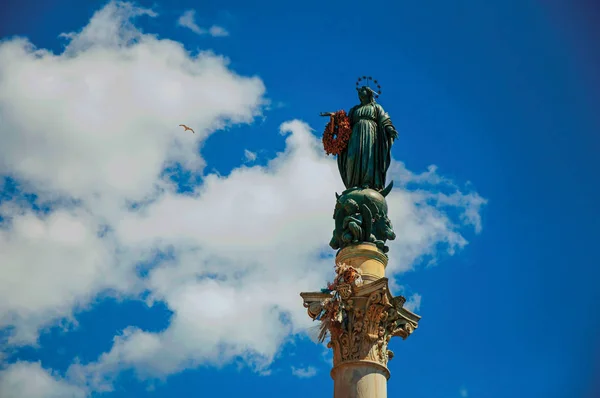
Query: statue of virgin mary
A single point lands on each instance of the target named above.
(365, 161)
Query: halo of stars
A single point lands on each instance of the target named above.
(367, 80)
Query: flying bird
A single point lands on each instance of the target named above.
(186, 128)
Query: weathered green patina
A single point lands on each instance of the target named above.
(361, 216)
(361, 210)
(365, 161)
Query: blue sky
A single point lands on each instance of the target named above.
(496, 243)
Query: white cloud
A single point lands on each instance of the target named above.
(218, 31)
(267, 229)
(103, 125)
(102, 128)
(414, 302)
(421, 216)
(188, 20)
(249, 156)
(50, 266)
(304, 373)
(29, 379)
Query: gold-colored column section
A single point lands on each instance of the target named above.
(366, 257)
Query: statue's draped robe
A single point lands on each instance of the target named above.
(367, 158)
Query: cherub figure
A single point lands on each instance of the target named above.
(352, 224)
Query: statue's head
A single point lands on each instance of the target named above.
(366, 95)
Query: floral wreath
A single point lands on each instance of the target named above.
(337, 133)
(334, 309)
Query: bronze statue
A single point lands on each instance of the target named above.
(362, 142)
(365, 161)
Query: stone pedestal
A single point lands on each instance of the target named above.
(370, 317)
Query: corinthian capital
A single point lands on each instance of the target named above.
(367, 317)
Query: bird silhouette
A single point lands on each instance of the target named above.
(186, 128)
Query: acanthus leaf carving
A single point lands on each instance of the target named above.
(367, 329)
(360, 319)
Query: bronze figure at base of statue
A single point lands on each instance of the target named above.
(361, 217)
